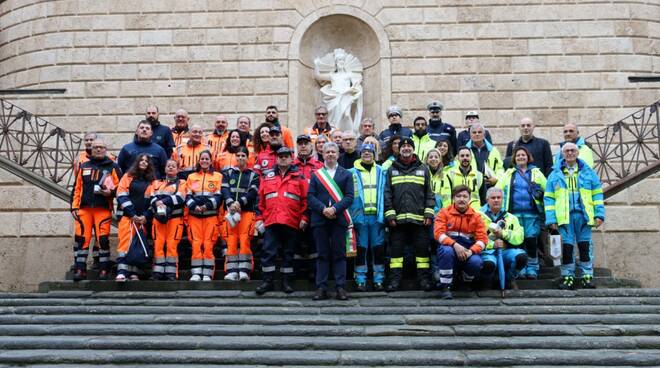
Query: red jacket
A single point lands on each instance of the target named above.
(308, 166)
(283, 199)
(266, 159)
(449, 222)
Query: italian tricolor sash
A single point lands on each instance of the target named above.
(331, 186)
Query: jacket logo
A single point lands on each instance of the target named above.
(87, 172)
(211, 186)
(232, 182)
(264, 163)
(270, 174)
(448, 225)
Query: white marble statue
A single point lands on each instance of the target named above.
(340, 75)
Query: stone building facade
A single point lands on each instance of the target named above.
(555, 61)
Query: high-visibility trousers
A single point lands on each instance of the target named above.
(166, 240)
(98, 219)
(239, 253)
(203, 233)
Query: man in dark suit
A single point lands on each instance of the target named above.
(330, 195)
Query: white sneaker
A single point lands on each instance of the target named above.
(206, 278)
(244, 276)
(134, 278)
(232, 276)
(120, 278)
(196, 278)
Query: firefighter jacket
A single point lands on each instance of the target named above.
(241, 186)
(512, 233)
(187, 156)
(506, 183)
(172, 192)
(408, 194)
(467, 229)
(368, 198)
(203, 188)
(94, 172)
(132, 198)
(283, 197)
(583, 189)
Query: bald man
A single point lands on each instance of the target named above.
(180, 132)
(539, 148)
(187, 155)
(572, 135)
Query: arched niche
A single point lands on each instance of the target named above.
(320, 33)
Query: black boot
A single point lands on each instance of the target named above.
(424, 279)
(286, 285)
(266, 285)
(395, 279)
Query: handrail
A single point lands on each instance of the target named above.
(36, 150)
(627, 151)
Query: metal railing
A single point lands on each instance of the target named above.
(37, 151)
(627, 151)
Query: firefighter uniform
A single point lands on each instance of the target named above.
(282, 204)
(203, 189)
(132, 201)
(186, 157)
(94, 211)
(242, 187)
(167, 229)
(409, 199)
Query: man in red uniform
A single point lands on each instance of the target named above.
(283, 207)
(91, 208)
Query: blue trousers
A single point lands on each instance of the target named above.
(508, 257)
(448, 263)
(531, 222)
(275, 235)
(576, 231)
(371, 234)
(330, 242)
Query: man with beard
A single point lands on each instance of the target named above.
(267, 159)
(273, 117)
(409, 204)
(162, 135)
(465, 174)
(423, 141)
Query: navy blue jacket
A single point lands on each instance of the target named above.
(540, 150)
(162, 137)
(130, 152)
(399, 130)
(438, 129)
(318, 198)
(464, 137)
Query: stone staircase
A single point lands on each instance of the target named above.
(602, 327)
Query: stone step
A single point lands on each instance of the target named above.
(162, 329)
(334, 343)
(301, 285)
(417, 357)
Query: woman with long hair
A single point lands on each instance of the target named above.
(166, 199)
(391, 151)
(240, 187)
(203, 200)
(321, 139)
(522, 185)
(227, 158)
(261, 138)
(132, 208)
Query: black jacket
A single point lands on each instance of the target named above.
(540, 150)
(318, 198)
(91, 173)
(464, 137)
(438, 129)
(162, 137)
(409, 195)
(242, 187)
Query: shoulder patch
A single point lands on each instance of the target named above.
(419, 172)
(395, 172)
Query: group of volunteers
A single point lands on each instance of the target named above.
(446, 199)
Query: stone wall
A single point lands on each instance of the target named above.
(555, 61)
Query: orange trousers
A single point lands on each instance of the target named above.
(166, 240)
(98, 219)
(203, 233)
(240, 236)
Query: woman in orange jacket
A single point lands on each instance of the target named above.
(132, 208)
(203, 200)
(227, 158)
(166, 198)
